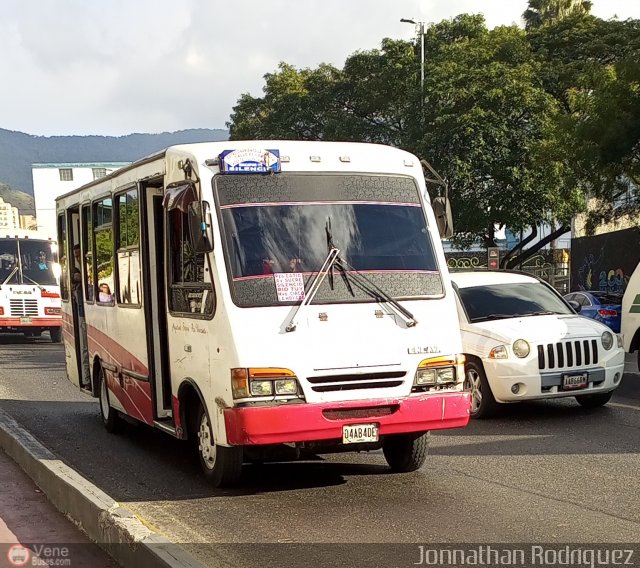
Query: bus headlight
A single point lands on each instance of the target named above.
(425, 377)
(438, 371)
(607, 340)
(263, 381)
(261, 387)
(286, 386)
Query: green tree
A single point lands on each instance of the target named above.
(542, 12)
(492, 117)
(591, 67)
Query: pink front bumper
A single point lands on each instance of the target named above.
(314, 422)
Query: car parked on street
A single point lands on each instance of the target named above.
(605, 307)
(522, 341)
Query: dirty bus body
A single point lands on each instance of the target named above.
(268, 299)
(29, 291)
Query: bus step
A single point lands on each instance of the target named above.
(166, 425)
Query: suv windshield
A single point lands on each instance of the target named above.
(502, 301)
(282, 224)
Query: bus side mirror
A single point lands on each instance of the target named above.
(444, 218)
(200, 226)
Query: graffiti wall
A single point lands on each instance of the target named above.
(604, 262)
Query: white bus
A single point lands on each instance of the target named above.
(29, 284)
(267, 299)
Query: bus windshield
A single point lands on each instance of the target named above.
(289, 222)
(27, 261)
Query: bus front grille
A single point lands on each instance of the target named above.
(331, 383)
(23, 308)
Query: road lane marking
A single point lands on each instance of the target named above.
(629, 406)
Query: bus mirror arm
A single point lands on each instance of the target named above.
(441, 205)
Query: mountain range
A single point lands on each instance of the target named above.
(18, 151)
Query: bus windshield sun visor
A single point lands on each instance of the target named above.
(179, 195)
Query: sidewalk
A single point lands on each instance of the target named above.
(27, 517)
(27, 514)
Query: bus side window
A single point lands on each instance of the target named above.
(87, 245)
(189, 293)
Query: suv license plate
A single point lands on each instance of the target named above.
(358, 433)
(575, 382)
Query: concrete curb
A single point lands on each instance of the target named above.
(106, 522)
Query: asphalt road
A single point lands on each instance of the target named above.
(542, 472)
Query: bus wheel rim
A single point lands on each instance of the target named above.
(206, 445)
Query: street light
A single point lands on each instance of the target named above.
(419, 31)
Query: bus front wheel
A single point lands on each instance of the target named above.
(110, 418)
(406, 452)
(221, 465)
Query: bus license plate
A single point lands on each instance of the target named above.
(575, 382)
(358, 433)
(25, 320)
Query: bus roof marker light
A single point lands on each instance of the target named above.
(345, 159)
(315, 159)
(285, 159)
(408, 164)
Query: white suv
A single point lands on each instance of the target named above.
(522, 341)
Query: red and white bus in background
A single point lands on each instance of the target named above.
(267, 299)
(29, 284)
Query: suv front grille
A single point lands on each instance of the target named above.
(568, 354)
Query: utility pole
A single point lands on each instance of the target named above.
(420, 32)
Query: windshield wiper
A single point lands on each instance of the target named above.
(367, 285)
(15, 269)
(348, 273)
(495, 316)
(33, 282)
(314, 286)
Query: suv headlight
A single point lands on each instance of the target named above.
(521, 348)
(607, 340)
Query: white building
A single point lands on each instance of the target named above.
(9, 216)
(53, 180)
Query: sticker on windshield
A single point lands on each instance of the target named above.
(289, 286)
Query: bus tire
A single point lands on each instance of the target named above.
(110, 418)
(594, 400)
(56, 334)
(406, 452)
(221, 465)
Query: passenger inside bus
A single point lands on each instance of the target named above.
(105, 295)
(42, 261)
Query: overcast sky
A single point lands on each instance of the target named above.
(117, 67)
